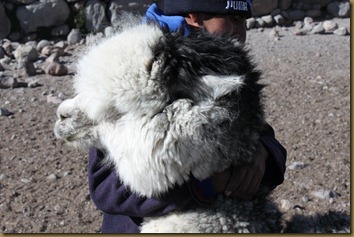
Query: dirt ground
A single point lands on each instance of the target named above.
(43, 182)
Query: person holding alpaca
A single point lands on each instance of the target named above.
(123, 210)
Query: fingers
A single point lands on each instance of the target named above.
(248, 188)
(244, 182)
(237, 178)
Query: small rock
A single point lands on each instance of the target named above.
(308, 20)
(27, 52)
(55, 69)
(285, 205)
(26, 68)
(318, 29)
(74, 36)
(8, 48)
(53, 99)
(305, 199)
(297, 165)
(5, 112)
(52, 177)
(268, 20)
(3, 176)
(53, 58)
(273, 33)
(41, 44)
(25, 181)
(259, 23)
(61, 44)
(330, 26)
(250, 22)
(300, 32)
(48, 50)
(108, 31)
(325, 194)
(8, 82)
(342, 31)
(34, 84)
(299, 24)
(279, 19)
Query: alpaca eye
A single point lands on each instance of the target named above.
(62, 117)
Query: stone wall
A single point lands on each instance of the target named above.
(24, 20)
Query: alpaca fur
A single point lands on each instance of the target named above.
(164, 107)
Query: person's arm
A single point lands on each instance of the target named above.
(268, 170)
(275, 167)
(112, 197)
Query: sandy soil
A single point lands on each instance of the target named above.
(43, 182)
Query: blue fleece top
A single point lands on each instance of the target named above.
(173, 23)
(123, 211)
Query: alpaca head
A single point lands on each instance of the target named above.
(164, 106)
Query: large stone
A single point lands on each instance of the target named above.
(296, 15)
(26, 52)
(24, 1)
(5, 23)
(95, 16)
(312, 2)
(313, 13)
(43, 13)
(263, 7)
(284, 4)
(339, 9)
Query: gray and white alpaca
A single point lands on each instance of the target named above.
(165, 107)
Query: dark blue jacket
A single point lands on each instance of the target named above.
(123, 211)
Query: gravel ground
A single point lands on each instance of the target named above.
(43, 182)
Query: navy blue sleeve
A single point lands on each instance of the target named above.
(112, 197)
(275, 167)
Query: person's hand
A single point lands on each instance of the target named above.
(242, 182)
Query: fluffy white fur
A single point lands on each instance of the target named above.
(122, 107)
(164, 142)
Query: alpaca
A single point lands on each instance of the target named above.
(165, 107)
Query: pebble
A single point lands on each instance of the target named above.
(52, 177)
(53, 99)
(34, 84)
(342, 31)
(318, 29)
(325, 194)
(5, 112)
(305, 199)
(25, 181)
(285, 205)
(330, 26)
(55, 69)
(41, 44)
(297, 165)
(54, 57)
(8, 82)
(273, 33)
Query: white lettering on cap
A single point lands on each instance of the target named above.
(236, 5)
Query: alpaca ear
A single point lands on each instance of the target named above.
(223, 85)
